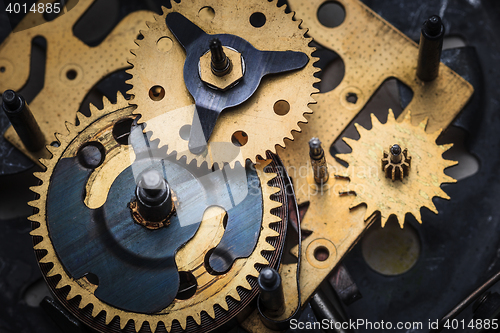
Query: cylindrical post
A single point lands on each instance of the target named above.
(221, 65)
(430, 47)
(318, 161)
(154, 200)
(271, 292)
(21, 118)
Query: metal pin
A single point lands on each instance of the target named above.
(153, 196)
(318, 161)
(21, 118)
(396, 154)
(430, 47)
(221, 64)
(271, 291)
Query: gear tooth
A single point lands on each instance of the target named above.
(246, 285)
(153, 324)
(344, 157)
(448, 180)
(224, 304)
(446, 147)
(210, 312)
(83, 303)
(383, 220)
(93, 109)
(196, 317)
(391, 118)
(109, 318)
(106, 102)
(234, 294)
(123, 323)
(442, 194)
(52, 272)
(417, 216)
(401, 221)
(432, 207)
(450, 163)
(60, 284)
(71, 294)
(138, 325)
(374, 119)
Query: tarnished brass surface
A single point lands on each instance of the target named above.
(265, 129)
(226, 81)
(212, 289)
(369, 183)
(372, 51)
(61, 96)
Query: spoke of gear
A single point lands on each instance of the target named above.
(213, 290)
(272, 113)
(368, 180)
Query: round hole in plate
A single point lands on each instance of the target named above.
(156, 93)
(164, 44)
(321, 253)
(55, 144)
(121, 130)
(187, 285)
(71, 74)
(92, 278)
(351, 98)
(391, 250)
(140, 37)
(91, 154)
(239, 138)
(331, 14)
(257, 19)
(2, 69)
(184, 132)
(281, 107)
(207, 13)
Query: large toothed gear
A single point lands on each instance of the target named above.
(242, 132)
(380, 193)
(218, 297)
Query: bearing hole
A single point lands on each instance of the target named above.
(121, 130)
(91, 154)
(164, 44)
(92, 278)
(206, 13)
(184, 132)
(140, 37)
(321, 253)
(156, 93)
(2, 69)
(331, 14)
(55, 144)
(257, 20)
(281, 107)
(71, 74)
(351, 98)
(239, 138)
(187, 286)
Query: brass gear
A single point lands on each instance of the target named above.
(153, 67)
(369, 182)
(78, 294)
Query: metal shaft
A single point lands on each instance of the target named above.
(325, 310)
(318, 161)
(271, 292)
(21, 118)
(221, 65)
(430, 47)
(153, 197)
(396, 154)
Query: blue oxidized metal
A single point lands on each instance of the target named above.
(136, 266)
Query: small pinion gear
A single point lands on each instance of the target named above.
(396, 163)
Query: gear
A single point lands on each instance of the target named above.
(254, 127)
(215, 293)
(368, 181)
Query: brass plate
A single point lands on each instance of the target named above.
(372, 51)
(61, 97)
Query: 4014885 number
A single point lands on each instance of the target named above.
(40, 8)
